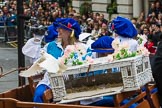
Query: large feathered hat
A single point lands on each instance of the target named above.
(51, 33)
(103, 45)
(68, 24)
(123, 27)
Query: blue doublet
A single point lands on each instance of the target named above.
(56, 52)
(38, 94)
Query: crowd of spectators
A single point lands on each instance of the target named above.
(8, 15)
(150, 24)
(44, 13)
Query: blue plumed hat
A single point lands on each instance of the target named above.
(103, 45)
(123, 27)
(51, 33)
(68, 24)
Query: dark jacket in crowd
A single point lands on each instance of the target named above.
(156, 38)
(156, 66)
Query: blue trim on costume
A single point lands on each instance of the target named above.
(38, 94)
(54, 50)
(103, 51)
(109, 101)
(106, 101)
(134, 105)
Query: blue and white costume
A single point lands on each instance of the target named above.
(56, 51)
(132, 43)
(125, 31)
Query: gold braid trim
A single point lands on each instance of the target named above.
(72, 37)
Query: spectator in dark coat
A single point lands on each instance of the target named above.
(156, 66)
(156, 35)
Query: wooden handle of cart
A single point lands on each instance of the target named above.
(10, 71)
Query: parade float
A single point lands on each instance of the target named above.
(82, 79)
(76, 76)
(90, 78)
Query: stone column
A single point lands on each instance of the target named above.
(125, 8)
(101, 6)
(146, 7)
(77, 3)
(137, 8)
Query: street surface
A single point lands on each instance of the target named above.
(9, 61)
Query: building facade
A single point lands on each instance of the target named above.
(126, 8)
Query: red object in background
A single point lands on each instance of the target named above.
(149, 45)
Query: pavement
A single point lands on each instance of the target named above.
(8, 61)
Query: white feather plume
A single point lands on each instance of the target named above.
(46, 61)
(33, 70)
(50, 63)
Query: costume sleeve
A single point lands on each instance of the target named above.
(45, 47)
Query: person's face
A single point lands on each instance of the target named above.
(100, 22)
(103, 31)
(13, 6)
(55, 14)
(159, 16)
(145, 31)
(98, 18)
(134, 21)
(33, 13)
(153, 14)
(153, 26)
(102, 16)
(157, 5)
(84, 17)
(94, 16)
(152, 5)
(46, 13)
(157, 28)
(5, 10)
(40, 10)
(104, 26)
(63, 34)
(96, 27)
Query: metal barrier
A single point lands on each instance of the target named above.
(8, 33)
(11, 33)
(27, 32)
(2, 33)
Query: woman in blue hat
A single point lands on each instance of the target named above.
(68, 34)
